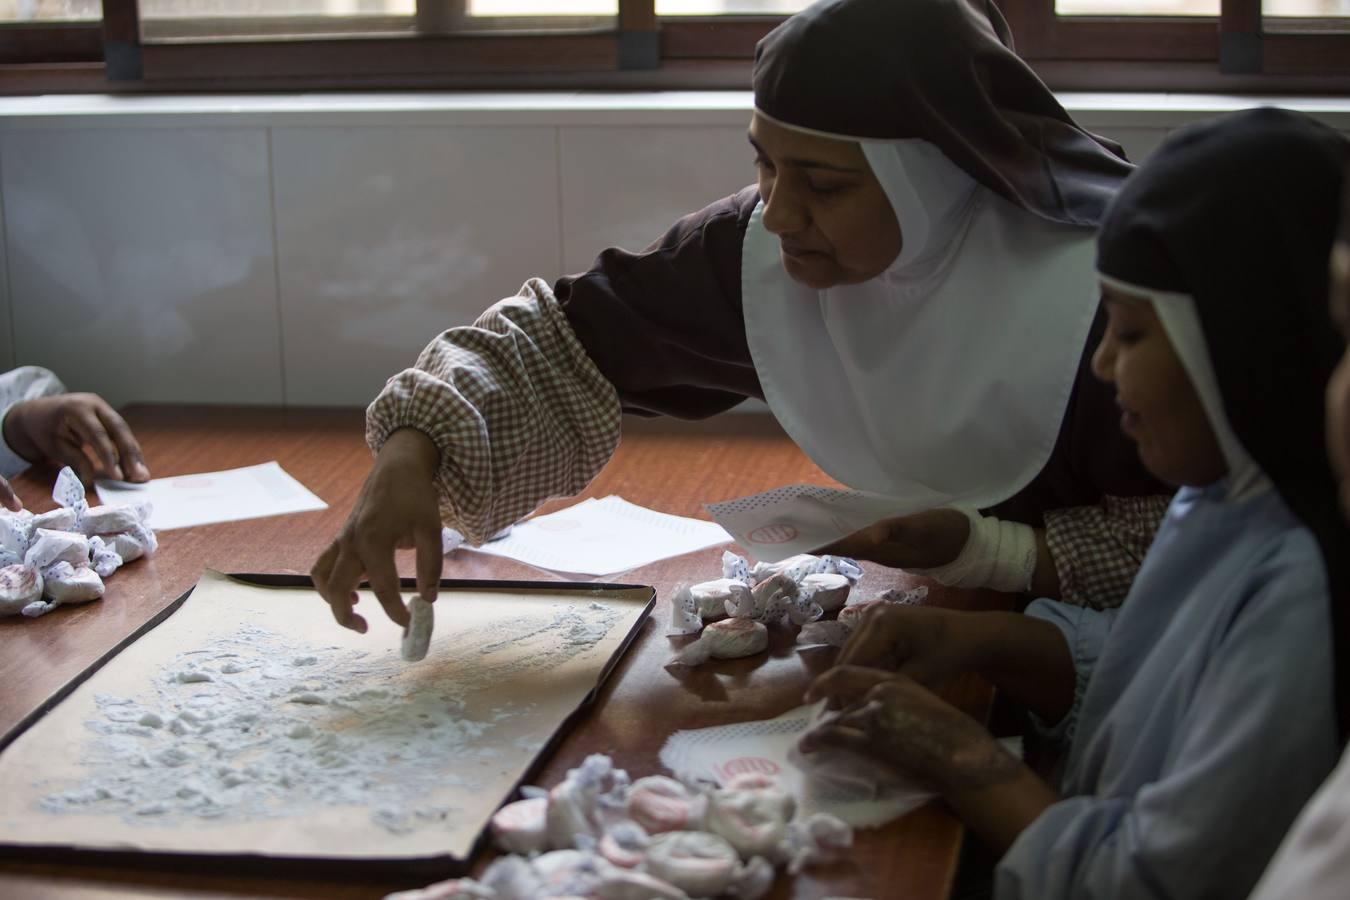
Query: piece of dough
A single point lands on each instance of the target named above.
(417, 636)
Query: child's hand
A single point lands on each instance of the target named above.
(77, 430)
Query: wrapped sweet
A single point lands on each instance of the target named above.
(58, 519)
(696, 862)
(828, 590)
(103, 559)
(64, 583)
(111, 519)
(727, 639)
(753, 818)
(50, 547)
(799, 566)
(20, 585)
(712, 598)
(519, 827)
(660, 804)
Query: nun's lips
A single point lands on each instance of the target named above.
(798, 251)
(1128, 418)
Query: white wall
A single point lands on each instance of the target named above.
(302, 249)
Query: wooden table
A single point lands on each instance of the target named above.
(670, 466)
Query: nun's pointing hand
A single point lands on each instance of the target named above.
(397, 508)
(923, 540)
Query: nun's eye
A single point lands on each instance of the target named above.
(763, 163)
(827, 190)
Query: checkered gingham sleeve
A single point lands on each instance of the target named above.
(1097, 550)
(518, 410)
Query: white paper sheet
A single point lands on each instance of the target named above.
(206, 497)
(601, 537)
(799, 518)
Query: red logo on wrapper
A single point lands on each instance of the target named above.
(746, 765)
(772, 534)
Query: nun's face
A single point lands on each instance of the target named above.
(1338, 389)
(833, 220)
(1160, 409)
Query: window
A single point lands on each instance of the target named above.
(138, 45)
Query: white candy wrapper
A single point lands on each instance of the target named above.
(127, 547)
(111, 519)
(696, 862)
(826, 632)
(736, 567)
(754, 820)
(684, 617)
(16, 532)
(591, 797)
(520, 827)
(798, 567)
(103, 559)
(624, 845)
(820, 838)
(146, 537)
(51, 547)
(58, 519)
(711, 598)
(417, 636)
(727, 639)
(828, 590)
(631, 885)
(68, 491)
(660, 804)
(20, 585)
(64, 583)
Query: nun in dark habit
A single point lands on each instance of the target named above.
(1203, 712)
(909, 286)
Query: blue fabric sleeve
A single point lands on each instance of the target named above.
(1257, 738)
(1085, 630)
(16, 386)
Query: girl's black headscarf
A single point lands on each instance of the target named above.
(943, 71)
(1240, 213)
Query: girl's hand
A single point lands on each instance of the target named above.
(902, 725)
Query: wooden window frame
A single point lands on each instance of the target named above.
(1238, 52)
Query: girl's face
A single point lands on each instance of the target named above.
(832, 217)
(1338, 388)
(1160, 409)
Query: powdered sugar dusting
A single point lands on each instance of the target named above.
(261, 725)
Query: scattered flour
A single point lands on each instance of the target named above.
(260, 726)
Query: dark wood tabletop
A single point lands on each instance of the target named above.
(674, 467)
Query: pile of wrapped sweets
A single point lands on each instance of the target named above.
(62, 556)
(596, 835)
(733, 612)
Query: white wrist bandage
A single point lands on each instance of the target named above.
(998, 555)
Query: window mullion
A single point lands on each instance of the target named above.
(639, 39)
(122, 40)
(1239, 37)
(441, 16)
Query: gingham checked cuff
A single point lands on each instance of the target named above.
(1098, 549)
(516, 407)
